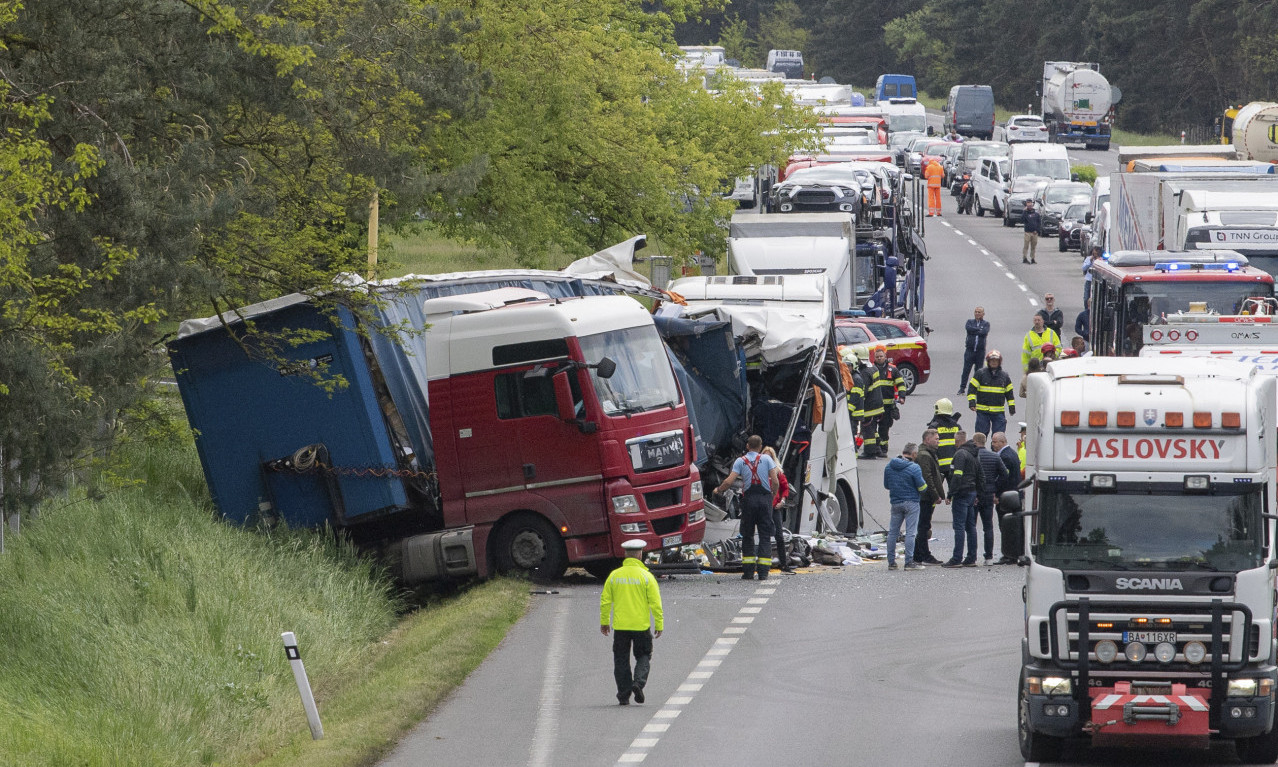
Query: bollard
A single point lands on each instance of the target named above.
(303, 685)
(1182, 137)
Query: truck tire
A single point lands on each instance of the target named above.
(602, 568)
(528, 544)
(847, 511)
(1262, 749)
(1035, 747)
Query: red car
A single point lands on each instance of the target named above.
(905, 347)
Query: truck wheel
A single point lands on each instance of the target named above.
(1262, 749)
(847, 511)
(909, 376)
(602, 568)
(1035, 747)
(528, 544)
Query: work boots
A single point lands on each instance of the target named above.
(763, 571)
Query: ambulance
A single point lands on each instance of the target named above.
(1149, 594)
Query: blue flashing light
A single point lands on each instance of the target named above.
(1175, 266)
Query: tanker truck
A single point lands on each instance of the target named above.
(1078, 103)
(1255, 131)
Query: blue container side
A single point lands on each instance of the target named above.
(245, 413)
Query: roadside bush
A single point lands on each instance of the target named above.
(1085, 173)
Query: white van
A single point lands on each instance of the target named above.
(1046, 160)
(788, 63)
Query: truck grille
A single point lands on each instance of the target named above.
(667, 525)
(1239, 638)
(660, 499)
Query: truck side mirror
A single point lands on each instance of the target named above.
(606, 367)
(1088, 218)
(1009, 502)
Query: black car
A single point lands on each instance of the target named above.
(823, 189)
(1071, 227)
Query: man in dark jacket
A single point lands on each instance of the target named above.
(993, 473)
(928, 500)
(1052, 317)
(1011, 528)
(966, 483)
(990, 395)
(946, 423)
(884, 390)
(1033, 228)
(974, 347)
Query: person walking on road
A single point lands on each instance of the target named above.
(989, 394)
(930, 498)
(904, 481)
(934, 174)
(993, 473)
(779, 498)
(1052, 317)
(1033, 223)
(1038, 336)
(965, 486)
(629, 607)
(1011, 530)
(760, 474)
(974, 346)
(946, 423)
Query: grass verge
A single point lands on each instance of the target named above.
(140, 630)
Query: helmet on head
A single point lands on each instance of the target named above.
(1049, 348)
(944, 406)
(994, 354)
(862, 353)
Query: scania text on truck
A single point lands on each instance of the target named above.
(1149, 595)
(1132, 289)
(517, 433)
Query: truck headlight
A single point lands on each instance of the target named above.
(1241, 688)
(1165, 652)
(1056, 685)
(696, 516)
(1135, 651)
(635, 527)
(625, 504)
(1195, 652)
(1106, 651)
(695, 492)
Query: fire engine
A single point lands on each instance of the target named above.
(1132, 289)
(1149, 594)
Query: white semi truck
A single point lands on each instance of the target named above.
(1078, 103)
(1149, 594)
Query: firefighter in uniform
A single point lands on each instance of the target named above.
(946, 423)
(855, 360)
(885, 389)
(760, 474)
(989, 393)
(629, 605)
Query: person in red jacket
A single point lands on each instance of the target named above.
(778, 514)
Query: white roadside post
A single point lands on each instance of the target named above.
(303, 685)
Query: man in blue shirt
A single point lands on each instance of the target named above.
(760, 475)
(904, 481)
(974, 347)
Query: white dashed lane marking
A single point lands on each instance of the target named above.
(714, 657)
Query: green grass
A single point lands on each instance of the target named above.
(137, 629)
(419, 249)
(1127, 138)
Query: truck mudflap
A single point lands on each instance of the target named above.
(1164, 716)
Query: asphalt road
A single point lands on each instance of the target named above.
(851, 666)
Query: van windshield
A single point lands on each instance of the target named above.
(643, 380)
(907, 123)
(1054, 168)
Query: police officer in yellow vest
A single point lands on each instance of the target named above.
(946, 423)
(629, 605)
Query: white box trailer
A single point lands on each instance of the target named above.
(802, 243)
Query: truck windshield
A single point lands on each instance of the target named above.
(907, 122)
(1144, 527)
(1042, 166)
(643, 379)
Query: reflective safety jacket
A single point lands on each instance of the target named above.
(947, 426)
(990, 389)
(1032, 348)
(856, 396)
(882, 389)
(631, 599)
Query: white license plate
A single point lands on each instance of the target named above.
(671, 540)
(1149, 636)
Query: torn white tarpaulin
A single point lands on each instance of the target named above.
(775, 334)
